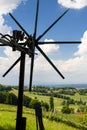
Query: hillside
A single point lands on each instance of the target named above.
(8, 123)
(69, 112)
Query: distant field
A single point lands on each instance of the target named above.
(57, 101)
(8, 122)
(77, 119)
(78, 97)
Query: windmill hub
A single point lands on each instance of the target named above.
(30, 43)
(18, 35)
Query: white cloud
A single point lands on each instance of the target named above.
(81, 53)
(51, 48)
(9, 58)
(76, 4)
(82, 49)
(74, 69)
(4, 29)
(77, 66)
(7, 6)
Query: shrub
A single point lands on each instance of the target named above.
(11, 99)
(66, 110)
(45, 106)
(3, 96)
(34, 103)
(51, 101)
(26, 101)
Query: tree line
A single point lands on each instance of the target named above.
(11, 98)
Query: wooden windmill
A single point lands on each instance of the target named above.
(28, 47)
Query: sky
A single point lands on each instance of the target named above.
(71, 60)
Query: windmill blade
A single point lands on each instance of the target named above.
(52, 25)
(2, 45)
(4, 42)
(19, 44)
(34, 36)
(19, 24)
(4, 36)
(49, 61)
(31, 72)
(36, 20)
(11, 67)
(59, 42)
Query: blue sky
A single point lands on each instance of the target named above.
(71, 60)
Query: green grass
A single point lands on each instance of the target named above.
(8, 120)
(29, 113)
(77, 97)
(57, 101)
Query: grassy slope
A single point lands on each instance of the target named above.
(78, 97)
(57, 101)
(8, 116)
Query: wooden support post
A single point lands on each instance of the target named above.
(39, 120)
(20, 92)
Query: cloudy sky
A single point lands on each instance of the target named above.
(71, 60)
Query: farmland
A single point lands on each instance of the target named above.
(76, 100)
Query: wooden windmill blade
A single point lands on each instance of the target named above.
(59, 42)
(19, 25)
(56, 21)
(34, 37)
(50, 62)
(4, 36)
(12, 66)
(4, 43)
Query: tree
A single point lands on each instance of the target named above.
(45, 105)
(51, 101)
(66, 110)
(63, 102)
(26, 101)
(34, 103)
(5, 88)
(3, 96)
(11, 99)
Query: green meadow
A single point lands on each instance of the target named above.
(8, 120)
(52, 120)
(57, 101)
